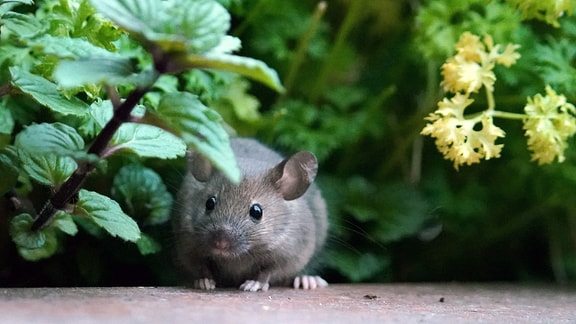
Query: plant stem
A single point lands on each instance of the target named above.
(353, 14)
(303, 45)
(72, 186)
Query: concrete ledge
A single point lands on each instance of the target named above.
(370, 303)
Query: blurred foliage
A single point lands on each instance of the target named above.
(360, 76)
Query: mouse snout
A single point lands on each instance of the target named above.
(222, 242)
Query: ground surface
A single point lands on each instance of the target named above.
(396, 303)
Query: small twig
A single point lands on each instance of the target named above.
(72, 186)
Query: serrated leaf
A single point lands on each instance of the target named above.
(32, 245)
(67, 47)
(47, 168)
(94, 70)
(107, 214)
(143, 194)
(46, 93)
(23, 236)
(147, 141)
(99, 114)
(47, 250)
(23, 25)
(201, 128)
(147, 245)
(65, 223)
(56, 138)
(246, 66)
(193, 26)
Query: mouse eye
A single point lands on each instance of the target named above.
(256, 212)
(211, 203)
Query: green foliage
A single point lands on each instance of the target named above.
(56, 60)
(358, 79)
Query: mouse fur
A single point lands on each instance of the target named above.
(263, 231)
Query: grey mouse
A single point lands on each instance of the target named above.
(264, 231)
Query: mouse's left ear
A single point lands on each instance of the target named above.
(293, 176)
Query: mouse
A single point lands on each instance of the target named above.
(266, 230)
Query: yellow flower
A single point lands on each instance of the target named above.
(456, 137)
(551, 120)
(472, 67)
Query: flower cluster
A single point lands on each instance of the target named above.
(459, 138)
(550, 121)
(545, 10)
(472, 67)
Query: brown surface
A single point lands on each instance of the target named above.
(404, 303)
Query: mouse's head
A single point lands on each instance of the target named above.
(253, 216)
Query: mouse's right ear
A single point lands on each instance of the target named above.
(199, 166)
(294, 175)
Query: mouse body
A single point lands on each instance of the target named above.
(264, 231)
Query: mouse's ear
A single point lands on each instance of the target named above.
(294, 175)
(199, 166)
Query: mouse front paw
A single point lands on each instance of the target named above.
(254, 285)
(309, 282)
(205, 284)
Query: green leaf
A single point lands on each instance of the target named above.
(47, 168)
(6, 119)
(20, 231)
(32, 245)
(142, 193)
(57, 138)
(201, 128)
(246, 66)
(8, 171)
(47, 250)
(147, 141)
(65, 223)
(71, 48)
(147, 245)
(107, 214)
(92, 70)
(46, 93)
(24, 26)
(193, 26)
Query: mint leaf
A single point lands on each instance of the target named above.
(47, 168)
(46, 151)
(147, 141)
(106, 213)
(65, 223)
(193, 26)
(246, 66)
(201, 128)
(142, 193)
(47, 250)
(92, 70)
(46, 93)
(22, 235)
(32, 245)
(45, 138)
(147, 245)
(71, 48)
(24, 25)
(6, 119)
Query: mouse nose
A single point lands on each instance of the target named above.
(221, 240)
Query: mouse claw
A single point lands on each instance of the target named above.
(253, 285)
(309, 282)
(205, 284)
